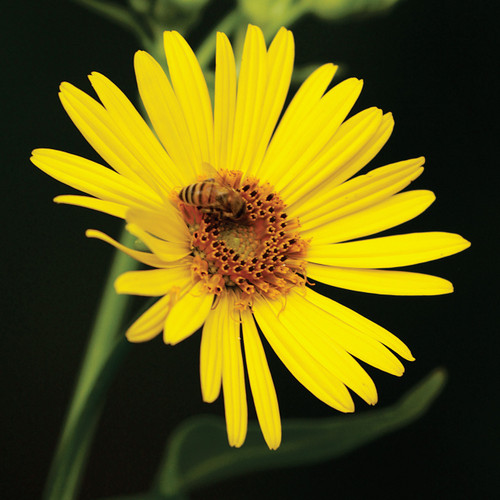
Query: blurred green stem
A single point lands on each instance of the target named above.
(105, 351)
(117, 13)
(227, 25)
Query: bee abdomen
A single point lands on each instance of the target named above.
(198, 194)
(204, 196)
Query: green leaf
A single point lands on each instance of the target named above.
(198, 453)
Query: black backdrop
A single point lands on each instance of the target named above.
(430, 63)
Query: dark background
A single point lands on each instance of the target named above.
(431, 64)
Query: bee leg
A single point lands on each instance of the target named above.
(205, 210)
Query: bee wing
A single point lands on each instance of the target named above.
(209, 170)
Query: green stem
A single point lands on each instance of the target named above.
(292, 14)
(206, 50)
(105, 351)
(117, 14)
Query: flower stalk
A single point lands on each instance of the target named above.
(106, 349)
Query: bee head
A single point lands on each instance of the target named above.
(238, 206)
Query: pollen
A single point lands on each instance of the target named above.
(261, 252)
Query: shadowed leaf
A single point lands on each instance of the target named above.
(198, 453)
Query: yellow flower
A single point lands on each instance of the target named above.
(241, 215)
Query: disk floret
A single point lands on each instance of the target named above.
(261, 252)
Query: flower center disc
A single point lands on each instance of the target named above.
(260, 251)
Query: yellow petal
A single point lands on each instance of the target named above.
(313, 332)
(366, 153)
(107, 207)
(280, 66)
(359, 193)
(225, 101)
(166, 223)
(349, 140)
(167, 251)
(342, 336)
(141, 141)
(187, 315)
(191, 91)
(389, 251)
(149, 324)
(233, 376)
(144, 257)
(359, 332)
(105, 135)
(308, 95)
(250, 99)
(377, 281)
(166, 115)
(310, 136)
(211, 354)
(154, 282)
(94, 179)
(261, 383)
(303, 366)
(389, 213)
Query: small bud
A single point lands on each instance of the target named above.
(264, 12)
(337, 9)
(140, 6)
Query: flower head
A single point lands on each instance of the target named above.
(241, 215)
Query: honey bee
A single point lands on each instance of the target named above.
(212, 197)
